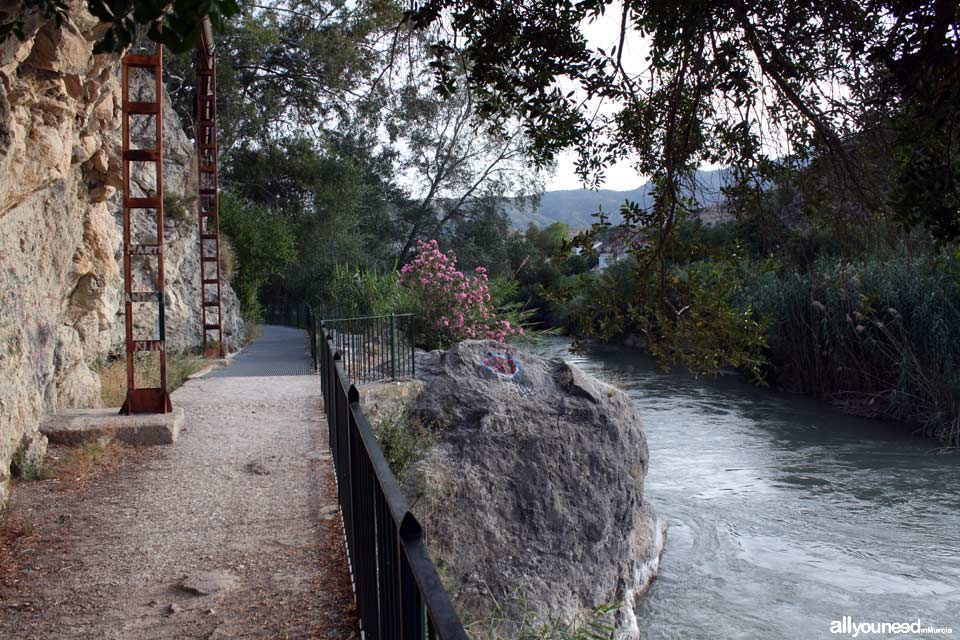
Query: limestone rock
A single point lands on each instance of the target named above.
(30, 453)
(535, 489)
(60, 50)
(60, 230)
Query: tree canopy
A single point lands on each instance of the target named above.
(761, 87)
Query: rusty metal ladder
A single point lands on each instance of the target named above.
(208, 202)
(157, 399)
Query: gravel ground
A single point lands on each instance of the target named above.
(248, 493)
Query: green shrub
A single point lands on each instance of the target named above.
(404, 439)
(356, 291)
(697, 323)
(176, 208)
(264, 244)
(27, 467)
(252, 316)
(506, 299)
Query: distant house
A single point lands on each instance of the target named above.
(605, 259)
(609, 250)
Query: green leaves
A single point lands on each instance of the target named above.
(699, 323)
(263, 240)
(175, 25)
(729, 83)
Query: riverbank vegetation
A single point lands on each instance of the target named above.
(838, 131)
(874, 329)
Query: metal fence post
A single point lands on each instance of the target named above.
(393, 346)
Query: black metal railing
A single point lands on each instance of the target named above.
(374, 348)
(399, 593)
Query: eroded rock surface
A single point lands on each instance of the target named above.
(58, 115)
(534, 492)
(60, 232)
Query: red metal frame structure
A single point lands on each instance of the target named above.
(208, 202)
(143, 400)
(157, 399)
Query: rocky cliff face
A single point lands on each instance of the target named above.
(534, 492)
(60, 237)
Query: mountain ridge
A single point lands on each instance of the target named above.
(577, 207)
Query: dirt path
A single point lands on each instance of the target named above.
(248, 492)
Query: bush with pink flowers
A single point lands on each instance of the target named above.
(451, 305)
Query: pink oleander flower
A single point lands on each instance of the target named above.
(454, 304)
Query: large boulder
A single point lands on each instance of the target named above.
(533, 493)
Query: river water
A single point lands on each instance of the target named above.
(784, 514)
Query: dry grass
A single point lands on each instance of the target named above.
(113, 374)
(251, 331)
(65, 469)
(179, 209)
(86, 460)
(69, 466)
(29, 468)
(228, 258)
(12, 529)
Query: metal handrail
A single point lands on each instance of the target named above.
(399, 593)
(374, 348)
(396, 315)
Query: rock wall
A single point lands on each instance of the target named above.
(60, 233)
(534, 492)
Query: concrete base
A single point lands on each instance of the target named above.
(75, 426)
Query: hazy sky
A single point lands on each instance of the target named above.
(604, 32)
(621, 177)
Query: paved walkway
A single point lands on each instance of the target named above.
(247, 491)
(280, 351)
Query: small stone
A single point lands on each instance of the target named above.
(100, 161)
(89, 143)
(328, 511)
(173, 608)
(101, 193)
(257, 468)
(209, 583)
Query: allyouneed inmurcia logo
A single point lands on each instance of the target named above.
(846, 625)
